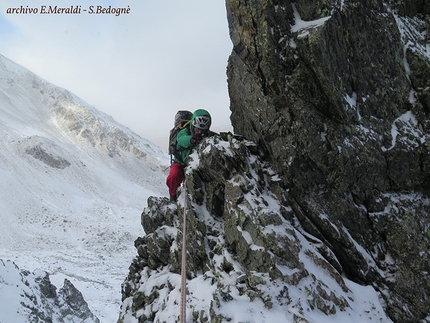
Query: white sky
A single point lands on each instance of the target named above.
(139, 68)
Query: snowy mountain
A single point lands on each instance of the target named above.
(73, 184)
(32, 297)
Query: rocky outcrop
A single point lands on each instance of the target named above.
(44, 150)
(326, 207)
(30, 297)
(337, 94)
(248, 257)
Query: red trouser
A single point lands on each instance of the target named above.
(175, 178)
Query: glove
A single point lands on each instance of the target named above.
(196, 138)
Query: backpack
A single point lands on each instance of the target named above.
(182, 119)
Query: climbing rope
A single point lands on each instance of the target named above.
(182, 318)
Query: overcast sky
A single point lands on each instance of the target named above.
(140, 68)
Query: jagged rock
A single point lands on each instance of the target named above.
(30, 297)
(73, 305)
(244, 244)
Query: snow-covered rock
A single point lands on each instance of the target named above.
(248, 257)
(31, 297)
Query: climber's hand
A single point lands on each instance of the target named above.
(196, 138)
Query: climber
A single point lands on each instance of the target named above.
(186, 140)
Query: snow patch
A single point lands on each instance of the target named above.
(302, 26)
(405, 127)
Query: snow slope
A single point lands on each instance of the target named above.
(73, 185)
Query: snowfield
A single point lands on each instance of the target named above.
(74, 183)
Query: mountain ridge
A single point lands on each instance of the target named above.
(73, 184)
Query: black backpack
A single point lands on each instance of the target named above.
(182, 120)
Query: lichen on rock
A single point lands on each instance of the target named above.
(244, 246)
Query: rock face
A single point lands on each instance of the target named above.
(326, 207)
(335, 98)
(337, 93)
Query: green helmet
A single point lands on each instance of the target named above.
(201, 119)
